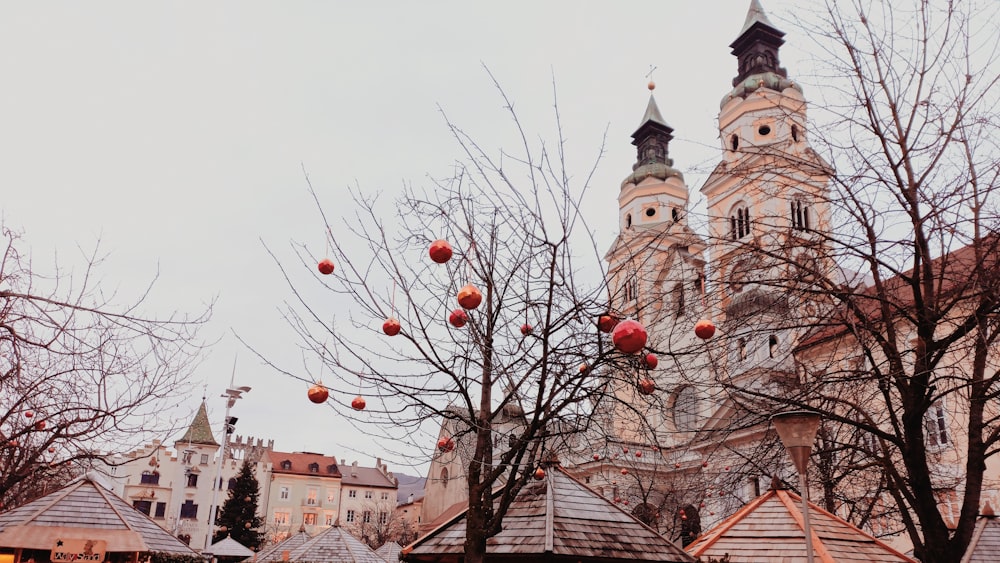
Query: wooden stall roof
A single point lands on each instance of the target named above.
(334, 545)
(85, 509)
(555, 517)
(228, 547)
(985, 544)
(273, 552)
(390, 552)
(769, 529)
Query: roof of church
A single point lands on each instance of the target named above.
(200, 431)
(556, 516)
(755, 15)
(770, 529)
(85, 509)
(985, 544)
(652, 113)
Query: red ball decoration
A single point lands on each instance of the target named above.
(606, 323)
(704, 329)
(618, 499)
(358, 403)
(52, 450)
(539, 474)
(704, 464)
(40, 425)
(391, 326)
(652, 361)
(624, 471)
(624, 450)
(526, 329)
(629, 336)
(440, 251)
(597, 457)
(28, 414)
(469, 297)
(677, 466)
(318, 393)
(638, 454)
(584, 367)
(646, 386)
(625, 502)
(325, 266)
(458, 318)
(445, 444)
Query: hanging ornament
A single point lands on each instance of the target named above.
(624, 471)
(358, 403)
(526, 329)
(40, 425)
(624, 450)
(445, 444)
(12, 443)
(625, 502)
(28, 414)
(638, 454)
(458, 318)
(704, 464)
(646, 386)
(440, 251)
(606, 323)
(584, 367)
(652, 361)
(704, 329)
(629, 336)
(469, 297)
(325, 266)
(539, 474)
(727, 468)
(318, 393)
(618, 499)
(702, 505)
(677, 466)
(391, 326)
(597, 457)
(247, 525)
(52, 450)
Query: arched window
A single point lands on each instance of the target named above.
(739, 223)
(679, 299)
(734, 142)
(674, 214)
(628, 221)
(795, 132)
(686, 408)
(286, 465)
(772, 345)
(631, 289)
(800, 215)
(444, 476)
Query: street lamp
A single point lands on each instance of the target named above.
(797, 430)
(230, 396)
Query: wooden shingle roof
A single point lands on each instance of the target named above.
(985, 544)
(557, 517)
(200, 431)
(274, 552)
(769, 529)
(334, 545)
(84, 509)
(228, 547)
(390, 552)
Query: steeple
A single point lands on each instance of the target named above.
(756, 48)
(200, 431)
(652, 137)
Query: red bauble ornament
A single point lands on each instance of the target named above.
(440, 251)
(624, 450)
(704, 329)
(52, 450)
(677, 466)
(646, 386)
(318, 393)
(704, 464)
(40, 425)
(391, 326)
(629, 336)
(618, 499)
(539, 474)
(358, 403)
(597, 457)
(325, 266)
(469, 297)
(28, 414)
(446, 444)
(624, 471)
(625, 502)
(652, 361)
(526, 329)
(727, 468)
(606, 323)
(458, 318)
(12, 443)
(638, 454)
(711, 514)
(702, 505)
(584, 367)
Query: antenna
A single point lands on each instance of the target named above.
(233, 376)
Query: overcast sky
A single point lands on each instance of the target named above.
(176, 134)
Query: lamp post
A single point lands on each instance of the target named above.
(230, 396)
(797, 430)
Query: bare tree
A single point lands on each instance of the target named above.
(379, 524)
(531, 347)
(82, 375)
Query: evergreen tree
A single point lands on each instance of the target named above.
(239, 510)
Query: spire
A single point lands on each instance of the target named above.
(652, 137)
(200, 431)
(756, 48)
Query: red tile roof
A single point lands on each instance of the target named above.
(326, 466)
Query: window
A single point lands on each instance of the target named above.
(148, 478)
(350, 516)
(739, 223)
(311, 496)
(366, 517)
(189, 510)
(674, 214)
(686, 408)
(231, 485)
(369, 494)
(161, 510)
(631, 289)
(628, 221)
(186, 538)
(328, 519)
(186, 458)
(800, 215)
(283, 493)
(444, 476)
(741, 349)
(795, 133)
(936, 425)
(650, 211)
(764, 130)
(313, 467)
(772, 346)
(679, 300)
(352, 494)
(143, 506)
(281, 517)
(309, 519)
(385, 495)
(204, 459)
(286, 465)
(383, 517)
(734, 142)
(192, 480)
(331, 495)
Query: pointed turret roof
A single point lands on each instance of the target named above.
(756, 47)
(652, 142)
(653, 114)
(754, 15)
(200, 431)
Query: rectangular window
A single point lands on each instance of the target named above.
(204, 459)
(143, 506)
(383, 517)
(150, 478)
(311, 497)
(284, 493)
(366, 517)
(192, 480)
(331, 495)
(385, 496)
(189, 510)
(352, 494)
(309, 519)
(281, 517)
(161, 510)
(936, 425)
(369, 494)
(186, 458)
(350, 516)
(328, 521)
